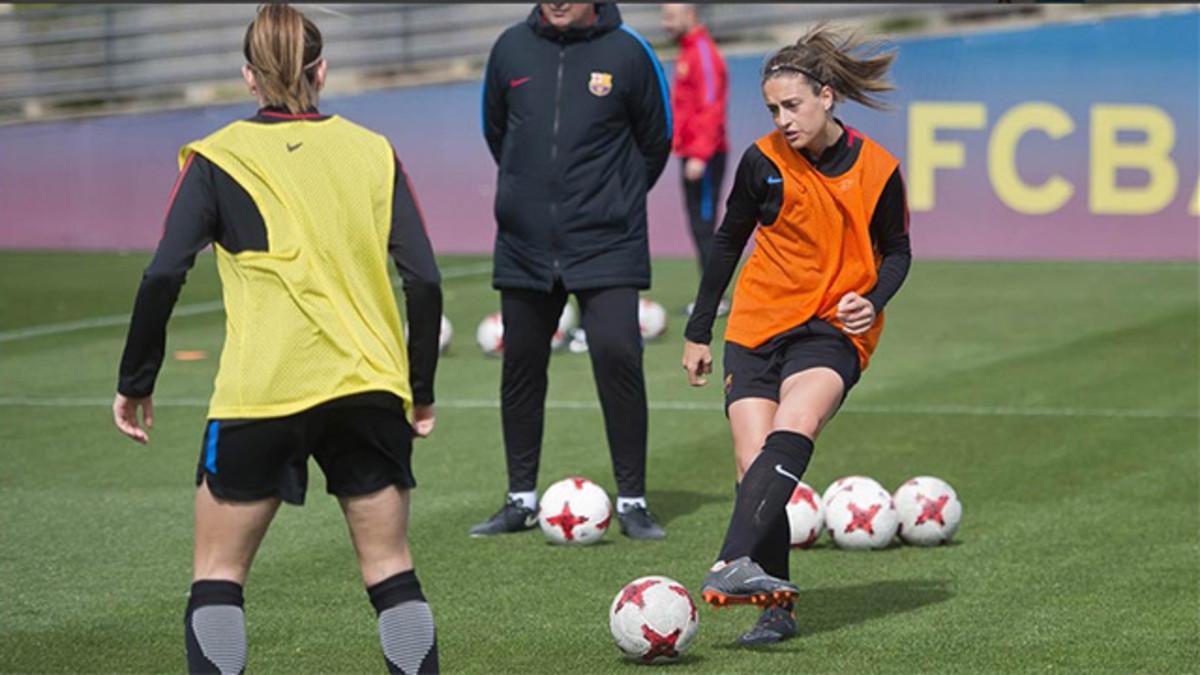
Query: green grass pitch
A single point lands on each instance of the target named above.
(1060, 399)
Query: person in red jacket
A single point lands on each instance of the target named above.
(698, 96)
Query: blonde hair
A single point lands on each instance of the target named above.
(283, 49)
(826, 56)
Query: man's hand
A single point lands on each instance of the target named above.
(693, 169)
(125, 416)
(423, 420)
(697, 361)
(856, 313)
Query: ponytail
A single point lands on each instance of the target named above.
(826, 56)
(283, 49)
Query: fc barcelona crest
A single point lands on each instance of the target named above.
(601, 84)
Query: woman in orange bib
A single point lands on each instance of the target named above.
(827, 210)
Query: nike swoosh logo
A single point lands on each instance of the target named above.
(773, 180)
(518, 82)
(530, 521)
(293, 148)
(784, 472)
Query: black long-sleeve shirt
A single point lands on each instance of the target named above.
(207, 205)
(757, 197)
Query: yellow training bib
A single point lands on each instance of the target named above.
(313, 317)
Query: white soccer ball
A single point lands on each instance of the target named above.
(652, 318)
(574, 511)
(929, 511)
(653, 619)
(862, 518)
(850, 484)
(490, 334)
(806, 516)
(567, 321)
(578, 343)
(445, 334)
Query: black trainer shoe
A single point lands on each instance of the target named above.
(637, 523)
(512, 517)
(743, 582)
(774, 624)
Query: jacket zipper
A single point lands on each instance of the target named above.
(562, 57)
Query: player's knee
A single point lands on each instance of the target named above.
(803, 422)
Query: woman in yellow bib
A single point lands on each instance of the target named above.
(302, 210)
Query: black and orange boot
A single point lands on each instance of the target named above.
(743, 582)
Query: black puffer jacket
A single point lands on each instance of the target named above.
(579, 123)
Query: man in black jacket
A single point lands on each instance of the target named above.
(576, 115)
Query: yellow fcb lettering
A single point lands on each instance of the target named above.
(600, 84)
(1108, 153)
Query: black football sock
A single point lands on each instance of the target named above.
(763, 495)
(214, 628)
(772, 553)
(406, 629)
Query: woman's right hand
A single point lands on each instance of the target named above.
(125, 416)
(423, 420)
(697, 361)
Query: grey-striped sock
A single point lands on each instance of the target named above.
(221, 633)
(406, 628)
(214, 627)
(407, 635)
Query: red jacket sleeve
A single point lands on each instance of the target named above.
(709, 123)
(702, 89)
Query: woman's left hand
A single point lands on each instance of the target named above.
(856, 313)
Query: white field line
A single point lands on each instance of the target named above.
(182, 310)
(688, 406)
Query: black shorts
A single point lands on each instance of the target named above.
(363, 443)
(759, 372)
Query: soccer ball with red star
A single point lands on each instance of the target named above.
(849, 484)
(862, 518)
(806, 516)
(575, 511)
(929, 510)
(653, 619)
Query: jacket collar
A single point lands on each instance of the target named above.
(694, 35)
(608, 18)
